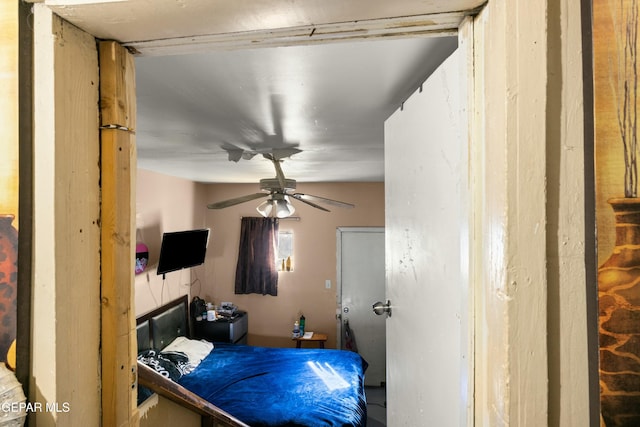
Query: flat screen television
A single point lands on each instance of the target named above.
(182, 249)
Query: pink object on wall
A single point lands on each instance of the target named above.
(142, 257)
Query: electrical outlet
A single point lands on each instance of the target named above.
(327, 284)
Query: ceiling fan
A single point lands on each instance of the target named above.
(279, 191)
(278, 152)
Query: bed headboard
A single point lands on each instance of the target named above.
(160, 327)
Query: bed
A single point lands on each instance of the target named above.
(260, 386)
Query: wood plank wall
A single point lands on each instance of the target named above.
(118, 153)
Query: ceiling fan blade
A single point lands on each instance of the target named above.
(235, 153)
(309, 197)
(296, 196)
(236, 201)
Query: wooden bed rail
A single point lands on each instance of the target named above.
(212, 416)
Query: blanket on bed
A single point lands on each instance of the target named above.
(282, 386)
(170, 364)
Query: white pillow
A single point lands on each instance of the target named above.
(194, 349)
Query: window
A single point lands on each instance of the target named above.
(284, 260)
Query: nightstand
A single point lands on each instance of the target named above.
(318, 337)
(223, 330)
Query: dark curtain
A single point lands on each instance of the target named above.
(256, 271)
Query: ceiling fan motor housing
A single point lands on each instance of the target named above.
(272, 185)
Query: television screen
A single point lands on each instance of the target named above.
(182, 249)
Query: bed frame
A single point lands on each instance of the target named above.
(160, 327)
(157, 329)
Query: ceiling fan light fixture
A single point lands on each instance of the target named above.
(284, 208)
(265, 208)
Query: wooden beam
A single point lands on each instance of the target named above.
(117, 86)
(118, 165)
(211, 414)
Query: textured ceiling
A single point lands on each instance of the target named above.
(328, 100)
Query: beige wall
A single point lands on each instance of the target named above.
(302, 290)
(168, 204)
(164, 204)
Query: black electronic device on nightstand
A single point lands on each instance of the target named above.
(231, 330)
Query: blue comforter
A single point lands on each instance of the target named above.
(283, 386)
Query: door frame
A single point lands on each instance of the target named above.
(511, 125)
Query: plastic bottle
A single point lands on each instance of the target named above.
(302, 325)
(296, 329)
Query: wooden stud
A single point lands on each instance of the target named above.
(118, 161)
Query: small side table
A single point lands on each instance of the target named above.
(224, 330)
(318, 337)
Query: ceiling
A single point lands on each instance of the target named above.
(319, 76)
(330, 101)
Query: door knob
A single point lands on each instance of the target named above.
(379, 308)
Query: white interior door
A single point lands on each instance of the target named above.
(427, 222)
(361, 280)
